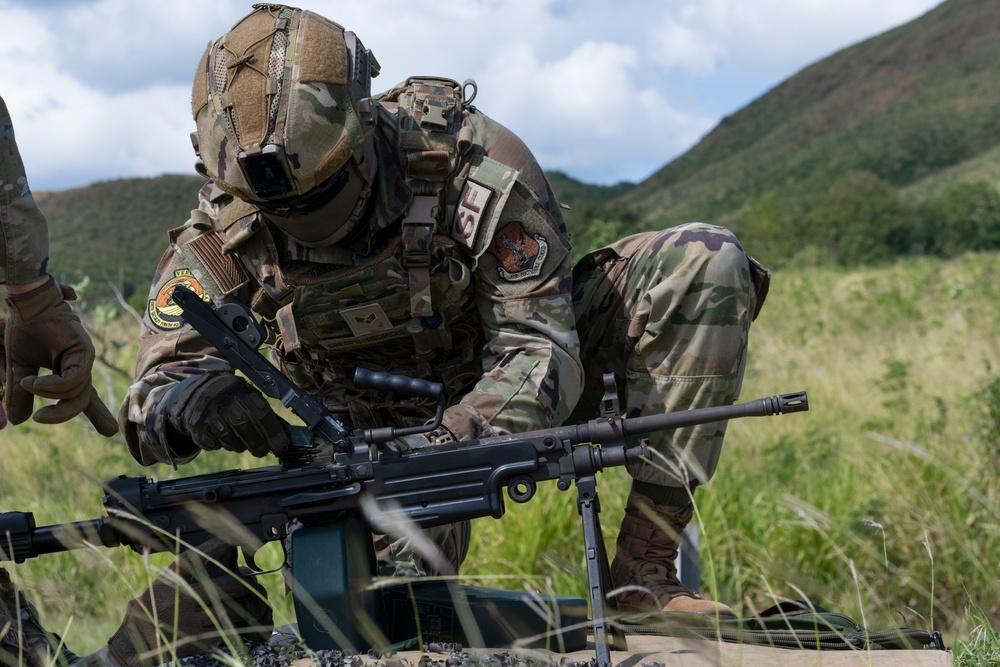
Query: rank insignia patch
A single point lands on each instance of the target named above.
(521, 255)
(162, 310)
(366, 319)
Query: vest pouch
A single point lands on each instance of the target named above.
(369, 308)
(360, 310)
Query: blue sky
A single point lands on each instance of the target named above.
(605, 90)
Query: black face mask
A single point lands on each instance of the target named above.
(316, 198)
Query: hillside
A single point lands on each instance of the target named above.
(903, 106)
(573, 193)
(115, 231)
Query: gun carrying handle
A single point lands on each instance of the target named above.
(405, 386)
(397, 384)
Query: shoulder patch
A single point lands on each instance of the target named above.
(520, 254)
(526, 248)
(162, 310)
(476, 214)
(209, 249)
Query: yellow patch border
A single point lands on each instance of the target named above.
(162, 311)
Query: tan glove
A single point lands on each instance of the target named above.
(43, 332)
(192, 608)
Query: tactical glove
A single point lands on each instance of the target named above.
(43, 332)
(198, 604)
(224, 411)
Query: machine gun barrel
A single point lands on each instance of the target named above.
(603, 430)
(762, 407)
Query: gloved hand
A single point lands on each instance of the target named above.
(193, 607)
(224, 411)
(43, 332)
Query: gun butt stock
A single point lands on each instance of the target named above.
(21, 539)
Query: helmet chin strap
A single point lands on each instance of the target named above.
(335, 217)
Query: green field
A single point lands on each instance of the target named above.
(881, 502)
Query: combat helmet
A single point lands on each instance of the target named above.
(283, 104)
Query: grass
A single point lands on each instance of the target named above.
(880, 502)
(982, 648)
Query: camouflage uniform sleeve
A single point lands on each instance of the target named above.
(24, 236)
(169, 349)
(532, 371)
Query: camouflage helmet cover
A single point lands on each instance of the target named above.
(282, 102)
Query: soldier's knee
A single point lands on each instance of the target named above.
(711, 252)
(728, 264)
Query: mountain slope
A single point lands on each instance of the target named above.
(116, 231)
(901, 105)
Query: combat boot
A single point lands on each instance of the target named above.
(644, 564)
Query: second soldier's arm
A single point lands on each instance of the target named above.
(41, 330)
(532, 371)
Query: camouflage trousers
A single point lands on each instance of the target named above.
(669, 314)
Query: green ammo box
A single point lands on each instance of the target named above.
(332, 565)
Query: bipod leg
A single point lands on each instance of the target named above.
(607, 636)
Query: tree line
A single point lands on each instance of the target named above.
(857, 219)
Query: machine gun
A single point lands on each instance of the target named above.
(331, 553)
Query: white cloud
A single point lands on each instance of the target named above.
(141, 133)
(611, 126)
(767, 38)
(73, 133)
(675, 45)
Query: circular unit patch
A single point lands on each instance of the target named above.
(163, 311)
